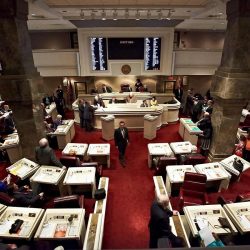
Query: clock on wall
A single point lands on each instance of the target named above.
(126, 69)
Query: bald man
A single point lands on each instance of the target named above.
(159, 226)
(45, 155)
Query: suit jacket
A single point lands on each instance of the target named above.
(107, 89)
(119, 139)
(46, 156)
(159, 224)
(24, 198)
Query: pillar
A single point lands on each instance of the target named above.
(231, 82)
(20, 84)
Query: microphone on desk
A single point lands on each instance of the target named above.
(71, 217)
(196, 224)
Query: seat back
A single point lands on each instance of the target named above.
(70, 201)
(192, 159)
(70, 161)
(162, 163)
(194, 182)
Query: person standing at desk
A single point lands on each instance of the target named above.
(57, 122)
(138, 84)
(121, 141)
(144, 103)
(45, 155)
(159, 226)
(81, 105)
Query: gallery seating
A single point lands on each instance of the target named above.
(193, 190)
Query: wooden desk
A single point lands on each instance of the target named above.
(23, 168)
(181, 147)
(158, 150)
(30, 216)
(2, 208)
(49, 175)
(51, 110)
(175, 176)
(92, 237)
(12, 147)
(207, 215)
(227, 163)
(78, 179)
(65, 133)
(55, 225)
(175, 222)
(215, 173)
(100, 153)
(100, 207)
(239, 213)
(78, 149)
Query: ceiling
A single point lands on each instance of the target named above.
(181, 14)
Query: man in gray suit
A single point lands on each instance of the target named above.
(45, 155)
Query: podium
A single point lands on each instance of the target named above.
(150, 125)
(108, 126)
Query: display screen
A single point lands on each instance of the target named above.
(99, 53)
(126, 48)
(152, 53)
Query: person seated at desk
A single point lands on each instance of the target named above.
(144, 103)
(138, 85)
(106, 89)
(57, 122)
(113, 100)
(43, 108)
(94, 91)
(4, 183)
(23, 195)
(153, 102)
(98, 101)
(131, 98)
(45, 155)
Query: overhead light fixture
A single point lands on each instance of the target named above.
(137, 15)
(92, 14)
(103, 15)
(149, 14)
(115, 14)
(82, 15)
(126, 14)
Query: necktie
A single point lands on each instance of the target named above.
(123, 133)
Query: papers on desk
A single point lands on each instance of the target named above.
(80, 177)
(5, 226)
(48, 230)
(160, 150)
(206, 236)
(202, 223)
(47, 175)
(178, 176)
(58, 230)
(244, 221)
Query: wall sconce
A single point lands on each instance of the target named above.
(65, 81)
(115, 15)
(103, 15)
(137, 15)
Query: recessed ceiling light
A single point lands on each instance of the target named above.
(220, 13)
(33, 14)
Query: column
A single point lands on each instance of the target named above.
(231, 85)
(20, 84)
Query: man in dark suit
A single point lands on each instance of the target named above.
(45, 155)
(159, 226)
(106, 89)
(121, 141)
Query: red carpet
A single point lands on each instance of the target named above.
(131, 189)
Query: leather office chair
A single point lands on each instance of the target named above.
(99, 170)
(70, 201)
(192, 159)
(125, 87)
(164, 161)
(70, 161)
(193, 190)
